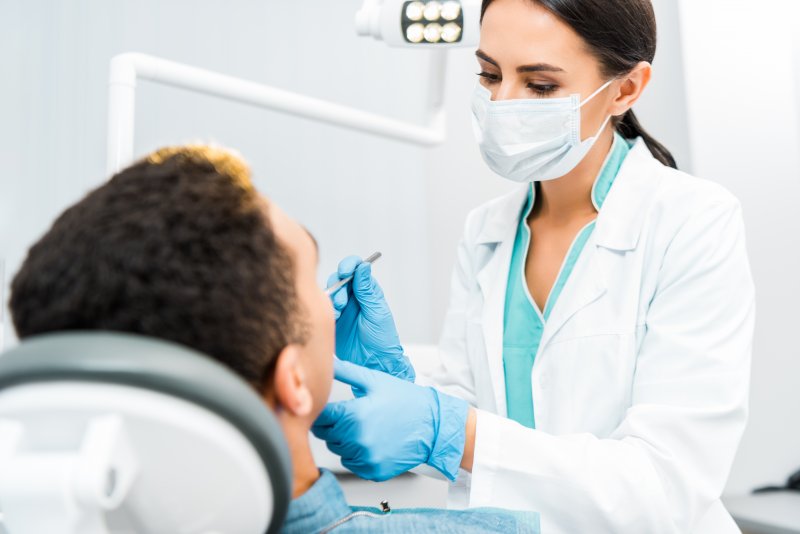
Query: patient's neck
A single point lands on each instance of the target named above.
(304, 469)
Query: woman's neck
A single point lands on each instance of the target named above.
(570, 196)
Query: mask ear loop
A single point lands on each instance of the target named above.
(602, 88)
(589, 98)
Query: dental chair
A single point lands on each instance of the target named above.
(105, 433)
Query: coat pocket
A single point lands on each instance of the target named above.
(590, 379)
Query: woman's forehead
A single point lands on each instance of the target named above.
(522, 32)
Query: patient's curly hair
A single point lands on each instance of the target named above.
(178, 246)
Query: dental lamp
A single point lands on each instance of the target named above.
(421, 23)
(435, 25)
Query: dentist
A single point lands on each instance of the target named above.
(595, 359)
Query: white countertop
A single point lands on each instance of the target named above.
(766, 513)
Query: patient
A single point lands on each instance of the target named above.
(180, 246)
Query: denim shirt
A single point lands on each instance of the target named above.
(323, 509)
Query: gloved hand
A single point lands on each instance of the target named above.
(365, 330)
(392, 425)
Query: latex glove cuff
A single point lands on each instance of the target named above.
(448, 448)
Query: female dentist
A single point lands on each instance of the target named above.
(595, 359)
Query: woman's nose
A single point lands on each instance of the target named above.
(505, 91)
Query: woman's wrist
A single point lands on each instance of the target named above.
(469, 441)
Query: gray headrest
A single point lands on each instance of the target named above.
(161, 366)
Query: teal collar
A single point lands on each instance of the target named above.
(616, 157)
(619, 223)
(603, 182)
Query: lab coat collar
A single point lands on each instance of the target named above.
(620, 221)
(503, 216)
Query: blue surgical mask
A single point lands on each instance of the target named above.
(531, 140)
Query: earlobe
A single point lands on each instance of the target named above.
(291, 389)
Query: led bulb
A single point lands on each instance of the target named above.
(451, 32)
(433, 33)
(433, 11)
(414, 11)
(451, 10)
(415, 33)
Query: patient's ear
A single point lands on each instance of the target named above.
(290, 386)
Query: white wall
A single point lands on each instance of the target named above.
(355, 193)
(744, 116)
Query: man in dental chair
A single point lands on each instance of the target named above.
(180, 246)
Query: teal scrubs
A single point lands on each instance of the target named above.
(523, 322)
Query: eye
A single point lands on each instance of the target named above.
(542, 89)
(490, 78)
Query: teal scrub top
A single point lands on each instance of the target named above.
(523, 322)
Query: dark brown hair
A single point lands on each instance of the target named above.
(621, 34)
(178, 246)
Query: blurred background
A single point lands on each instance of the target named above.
(725, 99)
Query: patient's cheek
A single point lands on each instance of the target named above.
(320, 378)
(326, 383)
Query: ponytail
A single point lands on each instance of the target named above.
(630, 128)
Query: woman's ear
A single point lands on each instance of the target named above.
(291, 390)
(631, 88)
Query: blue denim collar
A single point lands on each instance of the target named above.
(322, 505)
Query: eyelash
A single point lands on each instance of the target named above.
(541, 90)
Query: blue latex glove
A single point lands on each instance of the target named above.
(365, 329)
(392, 425)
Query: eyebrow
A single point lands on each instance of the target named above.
(538, 67)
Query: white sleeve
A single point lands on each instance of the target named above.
(668, 460)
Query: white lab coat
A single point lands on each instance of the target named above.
(640, 386)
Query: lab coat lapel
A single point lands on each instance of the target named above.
(617, 230)
(586, 284)
(621, 219)
(498, 233)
